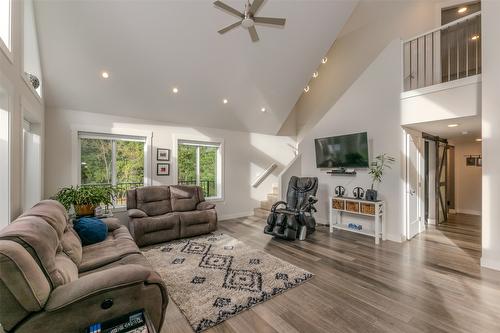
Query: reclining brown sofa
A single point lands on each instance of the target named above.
(50, 283)
(162, 213)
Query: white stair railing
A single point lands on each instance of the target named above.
(264, 174)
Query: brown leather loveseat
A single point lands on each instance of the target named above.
(162, 213)
(49, 282)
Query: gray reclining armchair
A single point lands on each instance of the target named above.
(296, 219)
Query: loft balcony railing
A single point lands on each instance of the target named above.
(448, 53)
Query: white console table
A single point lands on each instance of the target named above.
(340, 206)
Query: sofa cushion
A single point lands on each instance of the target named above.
(72, 246)
(155, 223)
(66, 267)
(185, 198)
(52, 212)
(153, 200)
(204, 205)
(24, 277)
(118, 244)
(134, 258)
(194, 217)
(91, 230)
(40, 240)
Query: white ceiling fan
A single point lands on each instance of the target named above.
(248, 18)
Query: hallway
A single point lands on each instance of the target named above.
(458, 239)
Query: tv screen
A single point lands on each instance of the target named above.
(347, 151)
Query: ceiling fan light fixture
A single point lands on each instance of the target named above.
(247, 23)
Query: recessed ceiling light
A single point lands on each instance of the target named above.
(479, 139)
(453, 125)
(224, 101)
(465, 132)
(263, 110)
(105, 75)
(324, 60)
(315, 74)
(306, 89)
(462, 10)
(475, 37)
(175, 90)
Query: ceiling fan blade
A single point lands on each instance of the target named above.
(229, 27)
(255, 6)
(270, 20)
(230, 9)
(253, 34)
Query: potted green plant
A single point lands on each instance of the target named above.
(377, 172)
(85, 198)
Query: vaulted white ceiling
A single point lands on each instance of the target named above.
(149, 47)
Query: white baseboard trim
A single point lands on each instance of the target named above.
(490, 263)
(395, 238)
(431, 221)
(469, 212)
(234, 216)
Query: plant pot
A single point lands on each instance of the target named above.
(371, 195)
(84, 210)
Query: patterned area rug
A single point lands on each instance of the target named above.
(214, 277)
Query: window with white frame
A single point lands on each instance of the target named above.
(4, 160)
(112, 160)
(5, 24)
(32, 183)
(200, 163)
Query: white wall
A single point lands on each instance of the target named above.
(490, 25)
(246, 154)
(23, 103)
(468, 196)
(455, 99)
(372, 107)
(371, 27)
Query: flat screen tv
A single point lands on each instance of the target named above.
(344, 151)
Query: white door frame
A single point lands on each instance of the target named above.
(420, 188)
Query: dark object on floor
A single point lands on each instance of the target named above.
(137, 321)
(296, 219)
(49, 282)
(91, 230)
(371, 195)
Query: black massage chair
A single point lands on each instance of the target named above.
(295, 220)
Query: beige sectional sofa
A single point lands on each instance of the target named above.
(49, 282)
(162, 213)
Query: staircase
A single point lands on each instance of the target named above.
(265, 206)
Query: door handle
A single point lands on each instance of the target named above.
(412, 192)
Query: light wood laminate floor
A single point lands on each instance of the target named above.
(432, 283)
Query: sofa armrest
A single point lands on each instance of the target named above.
(112, 223)
(204, 205)
(136, 213)
(100, 282)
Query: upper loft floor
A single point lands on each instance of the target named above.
(442, 68)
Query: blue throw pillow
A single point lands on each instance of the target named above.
(91, 230)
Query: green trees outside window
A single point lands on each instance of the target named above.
(197, 165)
(112, 162)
